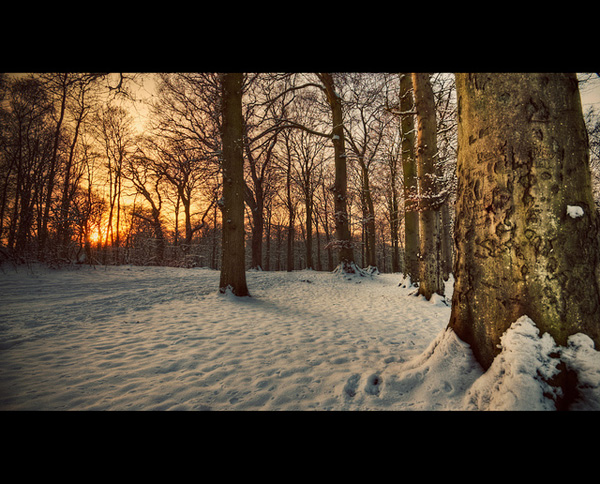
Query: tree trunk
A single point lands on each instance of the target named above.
(189, 233)
(291, 214)
(256, 204)
(309, 235)
(43, 236)
(446, 241)
(430, 274)
(522, 162)
(342, 220)
(409, 167)
(394, 216)
(233, 266)
(268, 241)
(369, 215)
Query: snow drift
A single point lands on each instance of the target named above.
(158, 338)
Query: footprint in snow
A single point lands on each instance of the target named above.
(352, 385)
(373, 386)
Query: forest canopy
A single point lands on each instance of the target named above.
(85, 179)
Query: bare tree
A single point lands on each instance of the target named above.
(27, 148)
(115, 134)
(409, 168)
(343, 241)
(82, 101)
(366, 127)
(430, 201)
(233, 267)
(140, 170)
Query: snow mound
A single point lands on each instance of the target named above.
(519, 375)
(581, 357)
(438, 378)
(447, 377)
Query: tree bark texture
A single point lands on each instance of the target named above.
(409, 167)
(342, 222)
(430, 267)
(522, 161)
(233, 266)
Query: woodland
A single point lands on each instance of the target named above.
(84, 181)
(493, 179)
(85, 178)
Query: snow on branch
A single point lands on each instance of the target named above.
(337, 244)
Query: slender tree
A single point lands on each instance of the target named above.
(392, 200)
(342, 221)
(233, 265)
(82, 90)
(526, 227)
(445, 101)
(409, 168)
(115, 133)
(291, 206)
(140, 170)
(365, 131)
(430, 270)
(308, 156)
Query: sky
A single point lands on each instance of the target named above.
(590, 92)
(144, 90)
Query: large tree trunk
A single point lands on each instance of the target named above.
(430, 273)
(233, 266)
(342, 221)
(409, 167)
(522, 162)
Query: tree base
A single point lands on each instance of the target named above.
(231, 291)
(350, 268)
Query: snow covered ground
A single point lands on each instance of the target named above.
(159, 338)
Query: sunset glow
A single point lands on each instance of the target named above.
(95, 237)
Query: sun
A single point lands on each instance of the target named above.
(95, 237)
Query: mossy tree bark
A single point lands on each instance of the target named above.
(409, 168)
(430, 268)
(522, 161)
(233, 266)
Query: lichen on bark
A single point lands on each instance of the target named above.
(522, 160)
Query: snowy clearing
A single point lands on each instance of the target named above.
(160, 338)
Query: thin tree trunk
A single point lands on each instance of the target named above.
(446, 241)
(394, 215)
(430, 274)
(268, 241)
(309, 234)
(409, 167)
(318, 237)
(370, 238)
(291, 216)
(52, 174)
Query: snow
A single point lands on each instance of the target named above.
(159, 338)
(574, 211)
